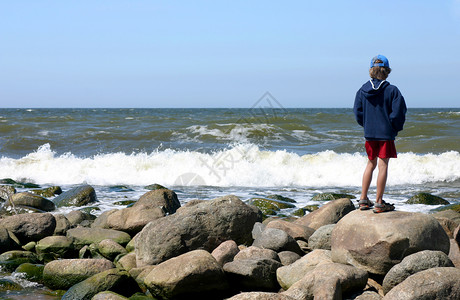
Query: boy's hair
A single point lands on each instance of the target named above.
(380, 73)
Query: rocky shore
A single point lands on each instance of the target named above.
(226, 248)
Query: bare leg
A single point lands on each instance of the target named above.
(367, 177)
(382, 178)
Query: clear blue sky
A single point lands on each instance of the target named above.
(224, 53)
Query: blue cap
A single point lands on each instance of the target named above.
(384, 62)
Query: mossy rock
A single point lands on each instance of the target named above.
(10, 260)
(16, 184)
(90, 210)
(140, 296)
(454, 207)
(331, 196)
(32, 272)
(9, 285)
(78, 196)
(281, 198)
(120, 189)
(302, 211)
(154, 186)
(269, 206)
(48, 192)
(125, 202)
(427, 199)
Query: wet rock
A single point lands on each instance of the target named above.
(31, 272)
(6, 191)
(64, 273)
(435, 283)
(78, 196)
(427, 199)
(10, 260)
(32, 200)
(330, 196)
(377, 242)
(7, 285)
(412, 264)
(48, 192)
(270, 206)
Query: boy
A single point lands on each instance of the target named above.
(380, 108)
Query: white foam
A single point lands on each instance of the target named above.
(240, 165)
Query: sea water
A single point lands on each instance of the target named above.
(207, 153)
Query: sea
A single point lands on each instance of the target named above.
(204, 153)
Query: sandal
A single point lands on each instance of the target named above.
(383, 207)
(365, 204)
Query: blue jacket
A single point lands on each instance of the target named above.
(380, 109)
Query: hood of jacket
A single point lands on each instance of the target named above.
(374, 87)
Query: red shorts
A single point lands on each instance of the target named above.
(381, 149)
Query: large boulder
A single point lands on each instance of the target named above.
(412, 264)
(30, 227)
(195, 272)
(329, 213)
(150, 206)
(434, 284)
(114, 280)
(377, 242)
(201, 226)
(60, 245)
(78, 196)
(64, 273)
(32, 200)
(328, 281)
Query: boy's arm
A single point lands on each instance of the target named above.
(399, 109)
(358, 109)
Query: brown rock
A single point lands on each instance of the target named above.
(225, 252)
(297, 231)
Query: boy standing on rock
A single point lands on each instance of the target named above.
(380, 108)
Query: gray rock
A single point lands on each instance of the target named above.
(126, 262)
(257, 229)
(88, 236)
(260, 296)
(10, 260)
(60, 245)
(321, 238)
(225, 252)
(77, 216)
(30, 227)
(377, 242)
(201, 226)
(107, 295)
(164, 198)
(432, 284)
(412, 264)
(110, 249)
(78, 196)
(62, 224)
(114, 280)
(277, 240)
(64, 273)
(297, 231)
(5, 241)
(328, 281)
(194, 272)
(253, 274)
(6, 191)
(329, 213)
(253, 252)
(32, 200)
(369, 295)
(288, 275)
(288, 257)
